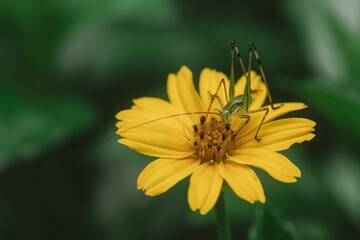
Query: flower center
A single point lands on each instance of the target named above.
(212, 139)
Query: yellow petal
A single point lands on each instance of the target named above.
(148, 109)
(209, 82)
(182, 93)
(153, 149)
(205, 186)
(162, 174)
(156, 105)
(131, 125)
(243, 181)
(283, 109)
(159, 135)
(138, 120)
(275, 164)
(137, 116)
(256, 118)
(280, 134)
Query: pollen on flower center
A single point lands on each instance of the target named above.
(212, 139)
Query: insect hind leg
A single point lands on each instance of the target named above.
(252, 49)
(247, 117)
(264, 109)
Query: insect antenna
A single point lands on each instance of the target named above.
(166, 117)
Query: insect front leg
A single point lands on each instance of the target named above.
(216, 96)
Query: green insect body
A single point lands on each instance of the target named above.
(234, 107)
(238, 106)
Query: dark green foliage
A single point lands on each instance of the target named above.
(270, 225)
(67, 67)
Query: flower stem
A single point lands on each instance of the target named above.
(224, 228)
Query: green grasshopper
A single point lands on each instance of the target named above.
(237, 106)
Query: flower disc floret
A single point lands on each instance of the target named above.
(212, 140)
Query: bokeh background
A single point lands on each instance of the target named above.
(68, 66)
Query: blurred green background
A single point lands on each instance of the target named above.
(67, 67)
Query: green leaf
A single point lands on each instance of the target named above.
(270, 225)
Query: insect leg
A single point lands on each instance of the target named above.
(216, 96)
(252, 48)
(233, 46)
(264, 109)
(247, 89)
(247, 117)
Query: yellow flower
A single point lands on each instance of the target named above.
(201, 146)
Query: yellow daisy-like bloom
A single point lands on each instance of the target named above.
(203, 147)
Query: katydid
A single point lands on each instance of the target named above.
(237, 106)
